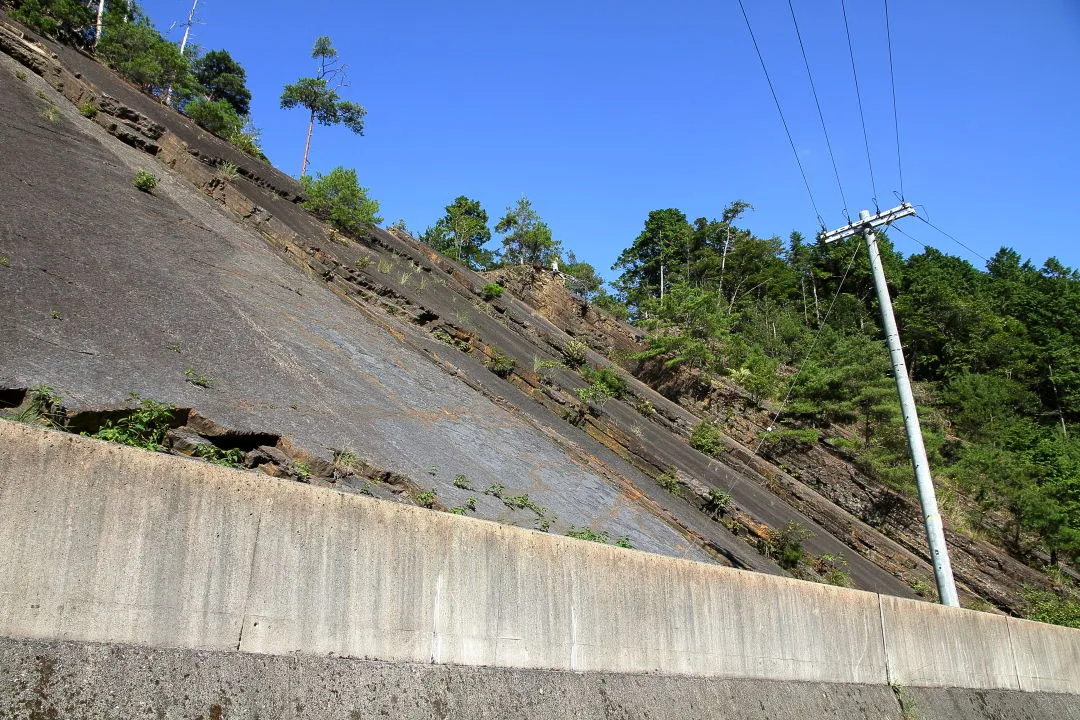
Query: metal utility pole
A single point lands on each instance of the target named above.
(183, 44)
(935, 533)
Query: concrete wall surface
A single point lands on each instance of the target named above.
(55, 680)
(104, 543)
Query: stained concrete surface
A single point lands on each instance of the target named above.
(87, 681)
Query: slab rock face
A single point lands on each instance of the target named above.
(112, 291)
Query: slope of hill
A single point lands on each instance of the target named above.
(375, 365)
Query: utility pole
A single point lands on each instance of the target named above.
(661, 265)
(935, 533)
(183, 44)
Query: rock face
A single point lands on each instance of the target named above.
(372, 364)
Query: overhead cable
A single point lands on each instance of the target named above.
(896, 116)
(776, 100)
(817, 102)
(858, 96)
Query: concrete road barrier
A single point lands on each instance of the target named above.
(110, 544)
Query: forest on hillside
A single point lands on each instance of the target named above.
(993, 350)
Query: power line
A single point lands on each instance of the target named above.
(973, 252)
(817, 102)
(858, 96)
(813, 344)
(896, 117)
(776, 100)
(900, 230)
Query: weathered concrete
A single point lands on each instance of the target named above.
(51, 679)
(104, 543)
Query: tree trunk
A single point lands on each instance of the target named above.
(307, 144)
(97, 30)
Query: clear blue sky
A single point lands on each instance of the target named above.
(600, 111)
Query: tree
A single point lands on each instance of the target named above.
(135, 49)
(461, 233)
(338, 199)
(661, 245)
(527, 238)
(216, 116)
(581, 277)
(69, 21)
(224, 79)
(316, 95)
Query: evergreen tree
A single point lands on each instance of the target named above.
(526, 238)
(462, 233)
(319, 96)
(224, 79)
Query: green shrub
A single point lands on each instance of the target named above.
(669, 481)
(69, 21)
(228, 171)
(1050, 607)
(143, 428)
(779, 442)
(232, 457)
(587, 533)
(216, 116)
(427, 498)
(145, 180)
(462, 482)
(492, 291)
(338, 199)
(576, 353)
(500, 364)
(45, 407)
(786, 545)
(88, 110)
(197, 379)
(707, 438)
(607, 378)
(137, 51)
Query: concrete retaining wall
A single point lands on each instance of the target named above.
(109, 544)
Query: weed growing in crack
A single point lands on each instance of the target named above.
(143, 428)
(426, 499)
(576, 353)
(88, 110)
(492, 291)
(20, 75)
(5, 261)
(587, 533)
(55, 314)
(785, 545)
(175, 347)
(51, 113)
(301, 470)
(45, 407)
(717, 503)
(624, 542)
(669, 481)
(197, 379)
(228, 171)
(462, 482)
(500, 364)
(385, 266)
(496, 490)
(362, 262)
(467, 506)
(347, 459)
(145, 180)
(232, 457)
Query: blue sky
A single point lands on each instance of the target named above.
(602, 111)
